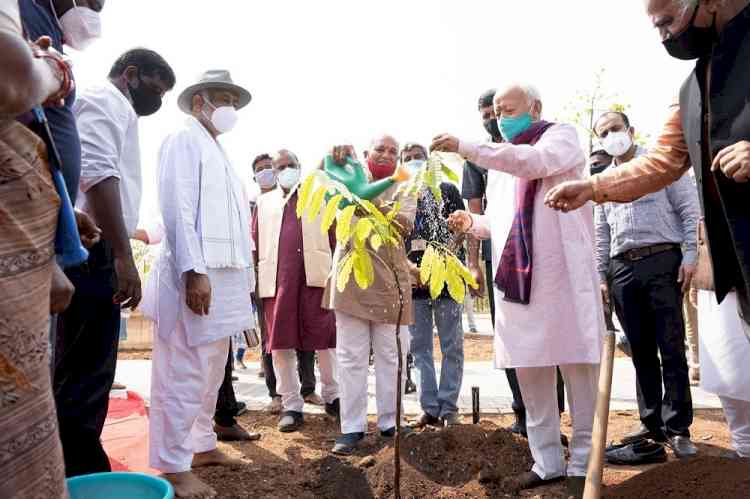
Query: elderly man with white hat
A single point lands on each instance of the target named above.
(199, 291)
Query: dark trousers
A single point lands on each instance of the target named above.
(648, 302)
(226, 404)
(305, 369)
(85, 358)
(518, 407)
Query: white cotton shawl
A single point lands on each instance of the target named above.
(224, 209)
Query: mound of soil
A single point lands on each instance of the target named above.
(704, 477)
(443, 463)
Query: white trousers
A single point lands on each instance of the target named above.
(184, 387)
(287, 378)
(539, 390)
(737, 413)
(469, 309)
(353, 340)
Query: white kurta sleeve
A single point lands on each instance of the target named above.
(557, 151)
(179, 194)
(481, 226)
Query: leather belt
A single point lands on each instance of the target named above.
(635, 254)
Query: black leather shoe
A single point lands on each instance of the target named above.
(426, 420)
(643, 433)
(346, 443)
(682, 447)
(391, 432)
(519, 426)
(635, 436)
(290, 421)
(642, 452)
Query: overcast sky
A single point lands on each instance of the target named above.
(345, 70)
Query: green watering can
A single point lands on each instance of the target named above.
(355, 178)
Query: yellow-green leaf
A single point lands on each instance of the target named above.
(465, 273)
(330, 213)
(437, 276)
(304, 194)
(450, 174)
(456, 287)
(394, 211)
(376, 241)
(374, 211)
(345, 271)
(363, 271)
(316, 203)
(426, 265)
(363, 229)
(343, 226)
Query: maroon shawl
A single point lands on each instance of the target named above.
(516, 262)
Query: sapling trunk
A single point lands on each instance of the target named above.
(399, 375)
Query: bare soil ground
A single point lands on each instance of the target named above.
(446, 463)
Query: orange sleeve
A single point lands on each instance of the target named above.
(665, 163)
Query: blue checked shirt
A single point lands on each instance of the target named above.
(667, 216)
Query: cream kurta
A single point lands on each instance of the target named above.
(181, 158)
(564, 322)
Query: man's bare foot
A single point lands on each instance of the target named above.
(215, 458)
(188, 486)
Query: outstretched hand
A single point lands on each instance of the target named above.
(444, 143)
(460, 221)
(569, 196)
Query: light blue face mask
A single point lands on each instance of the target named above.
(266, 178)
(511, 127)
(414, 165)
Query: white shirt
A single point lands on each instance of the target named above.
(108, 127)
(179, 188)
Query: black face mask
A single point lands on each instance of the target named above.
(145, 101)
(491, 126)
(693, 42)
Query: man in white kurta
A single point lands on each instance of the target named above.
(562, 323)
(199, 291)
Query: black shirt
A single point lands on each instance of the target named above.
(429, 227)
(38, 20)
(474, 186)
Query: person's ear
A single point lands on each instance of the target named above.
(131, 76)
(632, 132)
(536, 110)
(197, 103)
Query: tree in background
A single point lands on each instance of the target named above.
(583, 110)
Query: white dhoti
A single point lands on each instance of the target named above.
(539, 390)
(287, 378)
(185, 384)
(725, 356)
(353, 340)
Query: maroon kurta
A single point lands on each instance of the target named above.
(295, 318)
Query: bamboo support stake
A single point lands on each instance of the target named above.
(595, 471)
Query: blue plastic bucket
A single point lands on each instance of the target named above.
(119, 486)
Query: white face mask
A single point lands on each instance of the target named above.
(617, 143)
(266, 178)
(288, 178)
(224, 118)
(80, 26)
